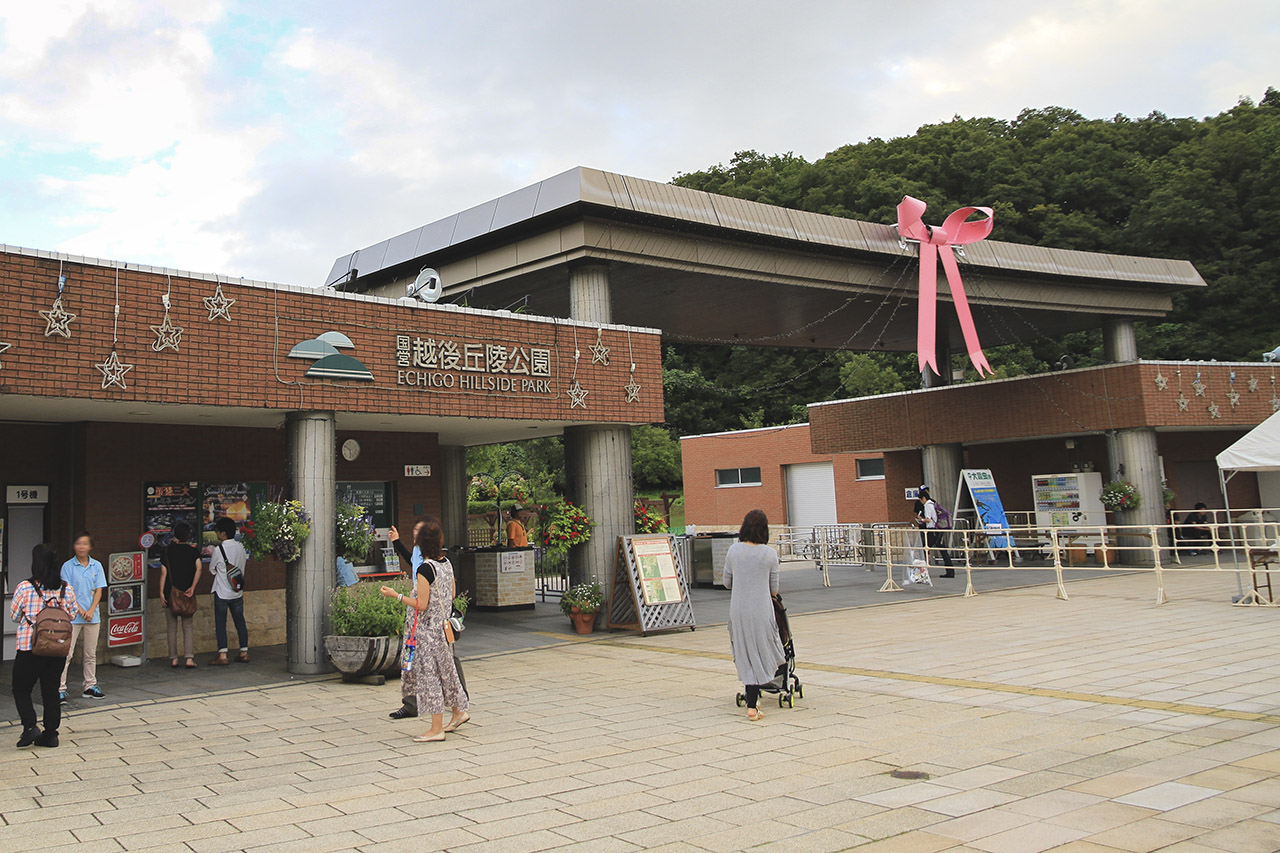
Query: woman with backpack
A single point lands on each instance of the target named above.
(44, 591)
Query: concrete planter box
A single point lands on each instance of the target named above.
(359, 658)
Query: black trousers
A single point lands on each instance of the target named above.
(29, 670)
(937, 542)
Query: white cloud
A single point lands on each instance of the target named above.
(259, 145)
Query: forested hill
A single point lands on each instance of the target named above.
(1204, 190)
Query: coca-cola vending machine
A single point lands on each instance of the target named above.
(127, 604)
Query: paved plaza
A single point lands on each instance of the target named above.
(1102, 723)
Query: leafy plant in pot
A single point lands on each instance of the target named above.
(368, 630)
(581, 603)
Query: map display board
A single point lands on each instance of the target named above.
(650, 585)
(987, 503)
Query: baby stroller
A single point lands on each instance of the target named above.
(785, 682)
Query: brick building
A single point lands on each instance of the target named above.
(775, 469)
(264, 394)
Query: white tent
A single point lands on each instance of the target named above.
(1258, 450)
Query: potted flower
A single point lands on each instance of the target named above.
(278, 529)
(355, 532)
(648, 519)
(368, 631)
(581, 603)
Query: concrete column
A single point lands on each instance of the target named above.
(589, 293)
(597, 458)
(941, 464)
(935, 380)
(1119, 340)
(312, 457)
(453, 496)
(1136, 459)
(597, 463)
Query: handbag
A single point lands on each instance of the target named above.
(182, 604)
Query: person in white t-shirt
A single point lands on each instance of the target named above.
(226, 595)
(935, 538)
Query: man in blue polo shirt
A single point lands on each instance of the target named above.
(87, 578)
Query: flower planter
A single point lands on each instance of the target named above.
(583, 623)
(364, 658)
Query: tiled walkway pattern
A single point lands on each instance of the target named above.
(633, 743)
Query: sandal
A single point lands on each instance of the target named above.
(173, 662)
(754, 715)
(191, 664)
(453, 727)
(429, 738)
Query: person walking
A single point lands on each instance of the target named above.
(435, 678)
(408, 695)
(45, 588)
(87, 578)
(179, 574)
(751, 574)
(227, 564)
(933, 536)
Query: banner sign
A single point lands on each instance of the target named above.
(986, 500)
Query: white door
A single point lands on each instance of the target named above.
(811, 494)
(23, 532)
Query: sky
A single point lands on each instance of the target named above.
(265, 139)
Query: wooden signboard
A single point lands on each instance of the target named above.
(650, 585)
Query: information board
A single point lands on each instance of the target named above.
(163, 506)
(650, 585)
(377, 496)
(987, 503)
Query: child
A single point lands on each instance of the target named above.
(87, 577)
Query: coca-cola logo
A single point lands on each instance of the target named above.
(123, 632)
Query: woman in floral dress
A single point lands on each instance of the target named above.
(435, 678)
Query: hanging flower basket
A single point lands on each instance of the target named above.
(278, 529)
(355, 531)
(1120, 495)
(648, 519)
(563, 525)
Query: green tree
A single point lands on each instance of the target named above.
(655, 458)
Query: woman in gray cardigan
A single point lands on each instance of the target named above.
(751, 574)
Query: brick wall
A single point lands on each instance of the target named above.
(1120, 396)
(245, 362)
(771, 450)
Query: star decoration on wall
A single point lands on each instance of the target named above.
(1253, 384)
(1214, 412)
(59, 320)
(1234, 399)
(633, 391)
(113, 371)
(168, 336)
(219, 305)
(1199, 386)
(599, 352)
(1183, 402)
(3, 349)
(577, 395)
(1162, 381)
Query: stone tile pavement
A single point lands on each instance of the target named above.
(1103, 723)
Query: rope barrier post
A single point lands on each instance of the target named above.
(889, 585)
(1159, 567)
(1057, 563)
(969, 591)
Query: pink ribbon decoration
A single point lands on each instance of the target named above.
(936, 242)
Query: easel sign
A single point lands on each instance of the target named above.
(650, 585)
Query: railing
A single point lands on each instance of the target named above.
(1235, 548)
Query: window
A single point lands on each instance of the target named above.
(737, 477)
(870, 469)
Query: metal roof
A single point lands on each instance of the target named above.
(601, 192)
